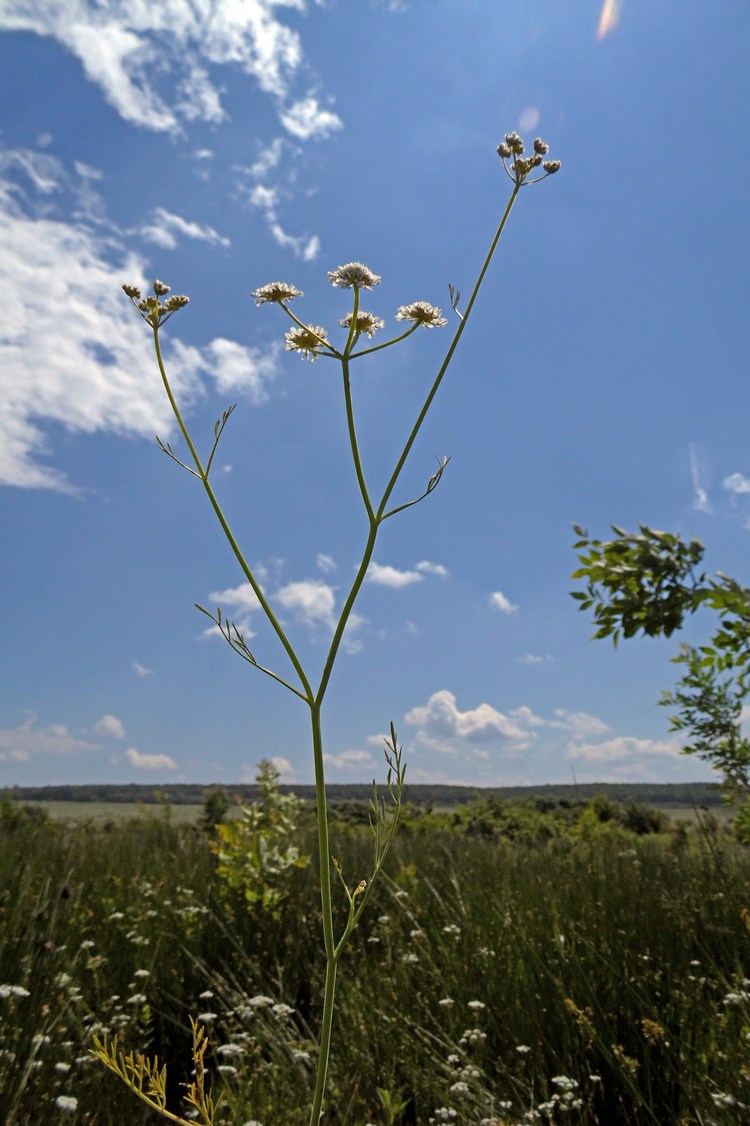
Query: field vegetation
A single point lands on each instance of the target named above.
(531, 961)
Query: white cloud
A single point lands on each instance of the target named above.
(579, 723)
(427, 568)
(701, 502)
(72, 349)
(163, 228)
(736, 483)
(240, 599)
(389, 576)
(625, 757)
(153, 62)
(440, 722)
(287, 772)
(534, 659)
(349, 760)
(110, 726)
(305, 119)
(149, 762)
(141, 670)
(311, 600)
(325, 563)
(498, 601)
(20, 743)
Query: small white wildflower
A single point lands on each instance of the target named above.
(453, 930)
(422, 313)
(62, 1067)
(13, 991)
(281, 1010)
(564, 1082)
(142, 973)
(308, 341)
(66, 1102)
(459, 1088)
(383, 919)
(522, 1049)
(206, 1018)
(227, 1069)
(276, 291)
(230, 1050)
(87, 944)
(720, 1099)
(353, 274)
(595, 1078)
(366, 322)
(116, 915)
(259, 1001)
(373, 938)
(206, 995)
(453, 1059)
(299, 1056)
(418, 933)
(409, 958)
(136, 999)
(477, 1005)
(446, 1002)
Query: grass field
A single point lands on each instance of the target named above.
(591, 975)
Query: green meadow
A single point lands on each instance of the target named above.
(522, 962)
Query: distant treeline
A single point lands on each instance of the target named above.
(646, 793)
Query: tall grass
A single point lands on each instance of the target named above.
(596, 978)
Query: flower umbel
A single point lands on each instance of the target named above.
(422, 313)
(276, 292)
(366, 322)
(154, 311)
(307, 340)
(521, 167)
(353, 274)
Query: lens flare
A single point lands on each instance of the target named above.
(609, 18)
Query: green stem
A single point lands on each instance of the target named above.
(257, 590)
(353, 440)
(448, 357)
(326, 902)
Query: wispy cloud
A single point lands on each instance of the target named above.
(155, 64)
(20, 743)
(141, 670)
(165, 229)
(700, 496)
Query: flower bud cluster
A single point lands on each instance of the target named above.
(522, 166)
(154, 311)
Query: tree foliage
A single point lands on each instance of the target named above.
(649, 582)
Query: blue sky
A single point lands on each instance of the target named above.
(602, 377)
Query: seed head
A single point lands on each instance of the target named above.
(422, 313)
(551, 166)
(540, 147)
(514, 142)
(276, 291)
(366, 322)
(132, 291)
(308, 341)
(160, 289)
(353, 274)
(504, 150)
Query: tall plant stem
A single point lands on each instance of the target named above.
(246, 570)
(448, 357)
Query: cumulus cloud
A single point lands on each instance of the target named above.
(20, 743)
(580, 724)
(110, 726)
(72, 351)
(384, 575)
(498, 601)
(311, 600)
(149, 762)
(441, 723)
